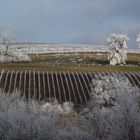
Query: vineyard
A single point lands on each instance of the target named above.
(61, 86)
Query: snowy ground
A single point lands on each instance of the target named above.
(33, 48)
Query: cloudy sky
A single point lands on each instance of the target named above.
(70, 21)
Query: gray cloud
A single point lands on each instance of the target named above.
(70, 21)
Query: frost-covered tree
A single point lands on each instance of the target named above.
(138, 40)
(7, 40)
(118, 48)
(8, 53)
(114, 108)
(106, 90)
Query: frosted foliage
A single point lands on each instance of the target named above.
(13, 56)
(138, 39)
(50, 107)
(113, 113)
(105, 91)
(114, 109)
(37, 121)
(7, 38)
(7, 53)
(68, 106)
(118, 48)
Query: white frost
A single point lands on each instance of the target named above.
(118, 48)
(106, 90)
(7, 52)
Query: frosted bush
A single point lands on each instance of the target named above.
(114, 109)
(118, 48)
(64, 132)
(68, 106)
(52, 107)
(14, 57)
(105, 91)
(113, 113)
(37, 121)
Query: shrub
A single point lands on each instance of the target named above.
(114, 109)
(113, 113)
(37, 121)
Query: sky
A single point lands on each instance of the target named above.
(70, 21)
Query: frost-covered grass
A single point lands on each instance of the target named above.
(113, 113)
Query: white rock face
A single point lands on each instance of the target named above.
(118, 48)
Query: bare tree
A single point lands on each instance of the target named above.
(10, 55)
(7, 40)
